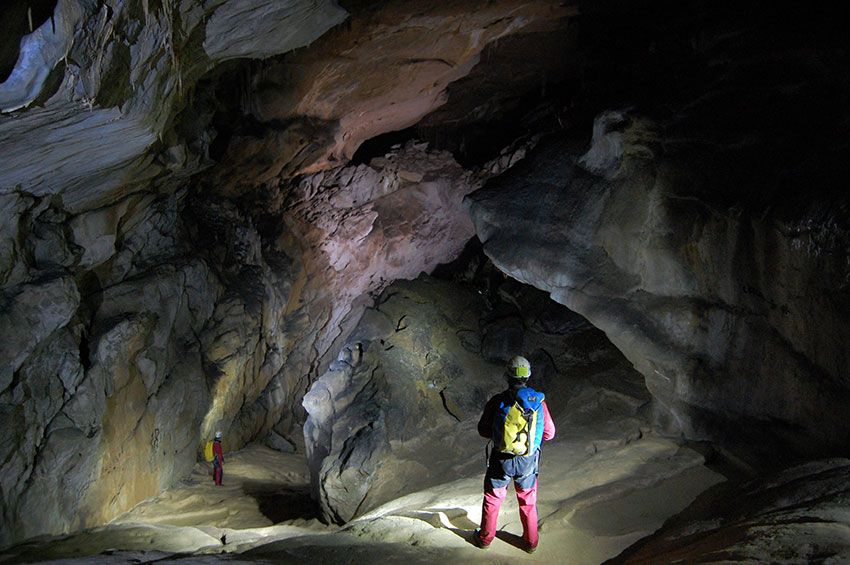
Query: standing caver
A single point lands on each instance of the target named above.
(517, 421)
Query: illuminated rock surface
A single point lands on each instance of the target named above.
(168, 312)
(700, 232)
(731, 298)
(200, 201)
(105, 393)
(398, 411)
(590, 474)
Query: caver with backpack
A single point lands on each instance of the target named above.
(517, 421)
(213, 453)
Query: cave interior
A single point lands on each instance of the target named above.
(324, 227)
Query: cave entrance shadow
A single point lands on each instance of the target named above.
(279, 503)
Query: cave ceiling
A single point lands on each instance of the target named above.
(387, 69)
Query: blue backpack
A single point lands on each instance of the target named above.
(518, 423)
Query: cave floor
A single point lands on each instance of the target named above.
(599, 493)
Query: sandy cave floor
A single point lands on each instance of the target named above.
(593, 503)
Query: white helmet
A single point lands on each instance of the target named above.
(218, 435)
(519, 368)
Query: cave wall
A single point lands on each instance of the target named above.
(184, 240)
(110, 315)
(397, 411)
(164, 273)
(700, 222)
(394, 413)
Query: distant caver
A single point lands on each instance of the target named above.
(218, 459)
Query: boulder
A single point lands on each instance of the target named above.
(279, 443)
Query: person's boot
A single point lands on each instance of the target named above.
(479, 543)
(530, 548)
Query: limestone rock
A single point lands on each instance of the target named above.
(404, 413)
(700, 221)
(99, 543)
(32, 415)
(246, 339)
(40, 52)
(30, 313)
(97, 232)
(260, 29)
(385, 70)
(279, 443)
(112, 416)
(705, 297)
(12, 267)
(147, 233)
(502, 335)
(797, 515)
(95, 154)
(398, 410)
(362, 227)
(184, 247)
(127, 67)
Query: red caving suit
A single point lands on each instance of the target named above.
(218, 462)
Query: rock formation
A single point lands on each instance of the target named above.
(109, 317)
(205, 204)
(398, 410)
(688, 312)
(387, 415)
(805, 502)
(158, 282)
(709, 246)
